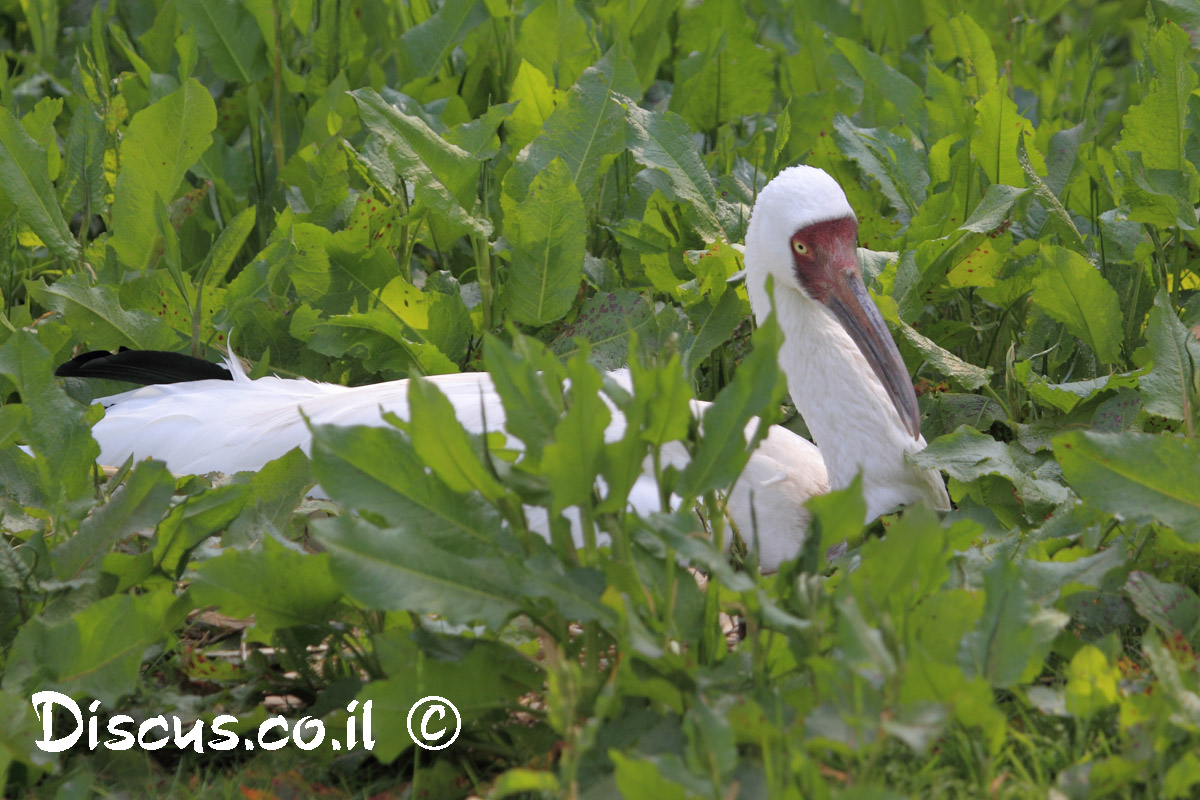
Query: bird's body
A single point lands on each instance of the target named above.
(843, 372)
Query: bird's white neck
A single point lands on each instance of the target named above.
(846, 407)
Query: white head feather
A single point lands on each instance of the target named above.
(795, 198)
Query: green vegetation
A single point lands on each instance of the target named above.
(364, 191)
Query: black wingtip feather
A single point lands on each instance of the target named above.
(142, 366)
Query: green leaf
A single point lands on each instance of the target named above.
(25, 182)
(1158, 126)
(95, 313)
(547, 232)
(439, 441)
(888, 158)
(193, 521)
(536, 100)
(1183, 775)
(1091, 682)
(444, 177)
(230, 37)
(722, 72)
(605, 322)
(714, 324)
(280, 587)
(137, 504)
(555, 38)
(163, 141)
(999, 127)
(1170, 607)
(1013, 635)
(98, 651)
(993, 209)
(528, 379)
(754, 391)
(424, 48)
(968, 455)
(54, 426)
(963, 374)
(586, 131)
(1170, 387)
(662, 140)
(571, 462)
(961, 37)
(377, 469)
(1136, 474)
(1073, 292)
(403, 569)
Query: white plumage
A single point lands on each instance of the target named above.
(855, 416)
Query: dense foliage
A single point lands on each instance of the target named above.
(359, 191)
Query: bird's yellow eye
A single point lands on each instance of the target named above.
(799, 247)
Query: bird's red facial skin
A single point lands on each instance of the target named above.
(821, 252)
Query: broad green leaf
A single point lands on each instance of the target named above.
(481, 678)
(424, 48)
(277, 489)
(536, 100)
(163, 141)
(430, 316)
(139, 503)
(1013, 635)
(892, 85)
(526, 377)
(968, 455)
(889, 159)
(54, 426)
(25, 182)
(228, 244)
(547, 232)
(193, 521)
(961, 37)
(668, 408)
(713, 324)
(229, 37)
(1170, 607)
(755, 390)
(96, 652)
(377, 469)
(1136, 474)
(96, 314)
(444, 177)
(722, 72)
(571, 462)
(1158, 126)
(1091, 682)
(1073, 292)
(555, 38)
(17, 738)
(963, 374)
(441, 443)
(381, 341)
(586, 131)
(82, 184)
(403, 569)
(1170, 387)
(282, 588)
(662, 140)
(1183, 775)
(999, 127)
(993, 209)
(605, 322)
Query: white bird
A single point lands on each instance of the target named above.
(843, 371)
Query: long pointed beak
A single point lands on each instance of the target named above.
(854, 309)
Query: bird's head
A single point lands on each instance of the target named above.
(804, 235)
